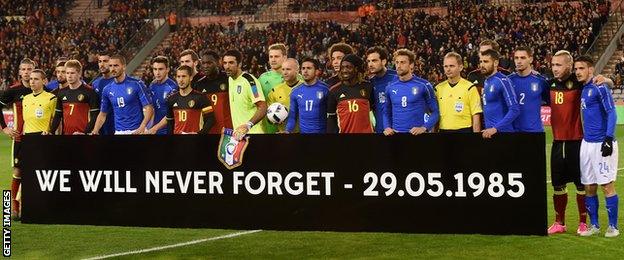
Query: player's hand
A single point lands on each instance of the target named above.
(240, 132)
(78, 133)
(600, 79)
(388, 131)
(94, 133)
(139, 131)
(283, 132)
(150, 131)
(10, 132)
(488, 133)
(418, 130)
(607, 146)
(45, 133)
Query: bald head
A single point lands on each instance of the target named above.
(290, 70)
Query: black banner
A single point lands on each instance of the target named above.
(433, 183)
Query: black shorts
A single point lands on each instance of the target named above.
(565, 166)
(17, 147)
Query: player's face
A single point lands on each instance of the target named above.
(289, 71)
(231, 66)
(103, 63)
(160, 71)
(116, 67)
(188, 61)
(37, 81)
(336, 58)
(561, 67)
(403, 65)
(487, 65)
(485, 48)
(375, 63)
(209, 65)
(523, 60)
(452, 68)
(60, 74)
(72, 75)
(347, 71)
(583, 71)
(308, 71)
(183, 79)
(25, 70)
(276, 59)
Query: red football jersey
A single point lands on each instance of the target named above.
(565, 104)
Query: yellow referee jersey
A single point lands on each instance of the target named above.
(38, 111)
(281, 94)
(457, 104)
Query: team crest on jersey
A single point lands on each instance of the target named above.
(129, 91)
(414, 91)
(534, 87)
(191, 103)
(230, 151)
(569, 84)
(222, 86)
(319, 94)
(80, 97)
(239, 89)
(363, 92)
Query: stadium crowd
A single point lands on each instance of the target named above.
(225, 7)
(353, 5)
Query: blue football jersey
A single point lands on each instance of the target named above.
(98, 85)
(308, 106)
(598, 110)
(126, 100)
(532, 91)
(379, 94)
(407, 103)
(500, 105)
(159, 93)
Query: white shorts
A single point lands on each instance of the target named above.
(124, 132)
(596, 169)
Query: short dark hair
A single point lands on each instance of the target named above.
(315, 62)
(193, 54)
(587, 59)
(119, 57)
(341, 47)
(411, 56)
(186, 68)
(212, 54)
(383, 53)
(525, 48)
(160, 59)
(234, 53)
(41, 72)
(492, 53)
(61, 64)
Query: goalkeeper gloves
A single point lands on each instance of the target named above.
(607, 146)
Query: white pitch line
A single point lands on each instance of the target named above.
(175, 245)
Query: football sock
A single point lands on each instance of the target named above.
(560, 199)
(612, 210)
(580, 203)
(592, 209)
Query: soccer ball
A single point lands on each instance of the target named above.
(277, 113)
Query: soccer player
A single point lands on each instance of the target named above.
(565, 119)
(77, 105)
(475, 76)
(336, 53)
(188, 111)
(98, 85)
(459, 101)
(380, 77)
(281, 92)
(14, 95)
(277, 55)
(408, 99)
(532, 91)
(247, 103)
(308, 101)
(38, 106)
(59, 72)
(161, 87)
(599, 150)
(190, 58)
(126, 98)
(350, 103)
(215, 86)
(500, 105)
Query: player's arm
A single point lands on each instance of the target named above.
(105, 108)
(51, 107)
(332, 118)
(94, 110)
(432, 105)
(512, 103)
(292, 114)
(606, 100)
(207, 115)
(600, 79)
(372, 105)
(5, 99)
(58, 116)
(257, 97)
(475, 108)
(148, 109)
(387, 115)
